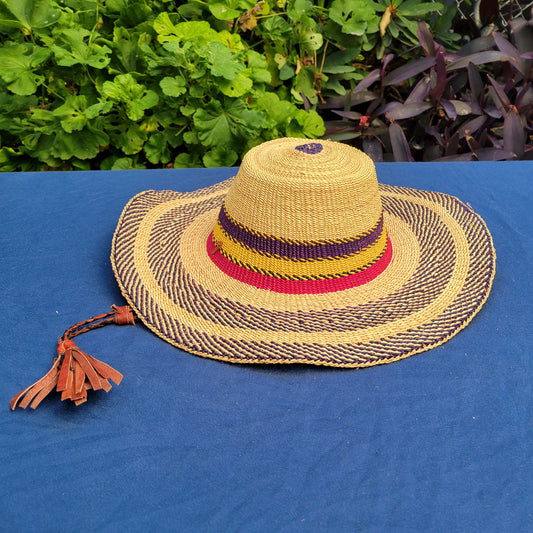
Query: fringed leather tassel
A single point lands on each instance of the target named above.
(74, 372)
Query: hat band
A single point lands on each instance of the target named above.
(292, 266)
(290, 286)
(270, 246)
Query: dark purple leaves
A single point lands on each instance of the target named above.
(362, 97)
(419, 92)
(476, 104)
(400, 146)
(449, 108)
(352, 115)
(440, 80)
(477, 45)
(373, 148)
(453, 108)
(524, 98)
(407, 110)
(453, 144)
(475, 81)
(514, 55)
(367, 81)
(426, 39)
(492, 154)
(500, 93)
(513, 132)
(461, 108)
(479, 58)
(408, 71)
(385, 63)
(471, 126)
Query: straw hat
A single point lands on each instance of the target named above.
(303, 258)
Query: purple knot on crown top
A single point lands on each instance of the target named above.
(310, 148)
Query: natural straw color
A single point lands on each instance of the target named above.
(288, 208)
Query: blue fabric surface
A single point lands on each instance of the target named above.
(438, 442)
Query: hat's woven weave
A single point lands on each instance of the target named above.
(438, 276)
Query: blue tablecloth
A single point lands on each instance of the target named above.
(441, 441)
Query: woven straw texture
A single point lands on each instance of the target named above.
(436, 255)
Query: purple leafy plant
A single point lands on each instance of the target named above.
(473, 104)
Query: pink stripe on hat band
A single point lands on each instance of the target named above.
(262, 281)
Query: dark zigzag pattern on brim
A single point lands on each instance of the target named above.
(457, 314)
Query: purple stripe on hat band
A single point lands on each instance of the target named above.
(268, 244)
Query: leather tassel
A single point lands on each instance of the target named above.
(74, 372)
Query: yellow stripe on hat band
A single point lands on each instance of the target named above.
(284, 268)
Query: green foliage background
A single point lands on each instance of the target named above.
(116, 84)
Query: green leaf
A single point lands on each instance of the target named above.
(300, 10)
(156, 149)
(306, 125)
(354, 16)
(278, 111)
(41, 147)
(304, 82)
(125, 163)
(286, 72)
(223, 12)
(126, 90)
(132, 140)
(134, 13)
(185, 160)
(414, 8)
(17, 65)
(163, 25)
(199, 30)
(187, 110)
(175, 86)
(190, 11)
(75, 52)
(230, 124)
(71, 114)
(334, 84)
(127, 47)
(258, 67)
(311, 41)
(135, 108)
(338, 69)
(190, 137)
(236, 87)
(221, 156)
(222, 61)
(101, 108)
(277, 29)
(31, 14)
(83, 144)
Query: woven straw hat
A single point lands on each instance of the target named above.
(303, 258)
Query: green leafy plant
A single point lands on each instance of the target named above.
(319, 48)
(112, 84)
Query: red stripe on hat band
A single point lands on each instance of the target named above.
(262, 281)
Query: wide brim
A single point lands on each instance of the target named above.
(440, 275)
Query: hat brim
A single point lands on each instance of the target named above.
(440, 275)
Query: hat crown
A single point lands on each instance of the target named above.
(302, 217)
(307, 191)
